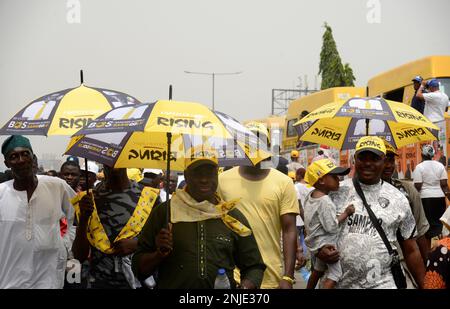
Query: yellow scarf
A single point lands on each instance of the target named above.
(183, 208)
(96, 233)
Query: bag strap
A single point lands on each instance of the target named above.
(372, 216)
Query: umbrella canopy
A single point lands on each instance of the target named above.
(65, 112)
(149, 150)
(136, 136)
(341, 124)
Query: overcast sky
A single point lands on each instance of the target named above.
(141, 46)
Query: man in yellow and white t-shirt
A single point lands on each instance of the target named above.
(269, 202)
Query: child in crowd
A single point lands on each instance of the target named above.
(321, 220)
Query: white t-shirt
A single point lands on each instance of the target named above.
(364, 257)
(32, 252)
(302, 191)
(294, 166)
(162, 195)
(430, 173)
(321, 222)
(435, 104)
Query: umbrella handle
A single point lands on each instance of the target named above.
(86, 174)
(170, 92)
(81, 77)
(167, 186)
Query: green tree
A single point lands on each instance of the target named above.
(333, 73)
(349, 78)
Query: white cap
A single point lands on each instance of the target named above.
(153, 170)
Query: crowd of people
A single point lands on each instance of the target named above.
(254, 222)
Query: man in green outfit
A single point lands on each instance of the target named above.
(205, 234)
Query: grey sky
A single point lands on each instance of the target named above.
(140, 47)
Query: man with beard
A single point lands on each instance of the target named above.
(365, 259)
(205, 234)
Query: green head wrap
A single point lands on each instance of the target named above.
(15, 141)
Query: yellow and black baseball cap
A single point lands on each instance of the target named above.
(371, 143)
(200, 155)
(322, 167)
(390, 148)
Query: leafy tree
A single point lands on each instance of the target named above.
(333, 73)
(349, 78)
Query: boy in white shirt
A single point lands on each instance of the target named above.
(321, 220)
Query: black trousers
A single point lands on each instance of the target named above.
(434, 208)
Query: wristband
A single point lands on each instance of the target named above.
(288, 279)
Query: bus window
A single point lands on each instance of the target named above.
(395, 95)
(291, 131)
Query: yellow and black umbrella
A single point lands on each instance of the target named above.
(137, 137)
(161, 135)
(65, 112)
(341, 124)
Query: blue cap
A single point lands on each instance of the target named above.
(73, 159)
(418, 79)
(433, 83)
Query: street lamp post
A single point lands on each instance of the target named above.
(213, 75)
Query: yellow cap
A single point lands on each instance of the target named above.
(294, 154)
(134, 174)
(371, 143)
(322, 167)
(291, 174)
(389, 148)
(199, 155)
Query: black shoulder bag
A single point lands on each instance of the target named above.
(396, 268)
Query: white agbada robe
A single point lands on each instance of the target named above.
(32, 252)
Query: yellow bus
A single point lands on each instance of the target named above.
(396, 84)
(310, 102)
